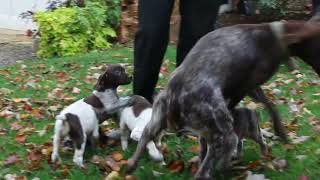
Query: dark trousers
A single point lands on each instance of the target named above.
(315, 4)
(197, 19)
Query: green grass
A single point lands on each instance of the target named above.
(44, 74)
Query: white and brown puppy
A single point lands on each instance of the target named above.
(246, 125)
(80, 120)
(134, 119)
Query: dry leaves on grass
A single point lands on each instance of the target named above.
(12, 159)
(35, 158)
(315, 122)
(109, 163)
(14, 177)
(176, 166)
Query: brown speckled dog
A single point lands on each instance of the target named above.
(225, 66)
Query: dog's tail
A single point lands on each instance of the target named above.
(57, 136)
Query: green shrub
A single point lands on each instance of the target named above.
(73, 30)
(113, 13)
(272, 7)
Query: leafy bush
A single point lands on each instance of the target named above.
(113, 12)
(71, 30)
(272, 7)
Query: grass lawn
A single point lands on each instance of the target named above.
(32, 92)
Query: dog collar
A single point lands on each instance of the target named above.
(278, 29)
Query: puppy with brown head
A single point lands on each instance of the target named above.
(80, 120)
(133, 120)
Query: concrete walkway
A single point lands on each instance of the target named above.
(14, 46)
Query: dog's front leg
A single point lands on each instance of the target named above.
(154, 153)
(79, 151)
(124, 135)
(121, 103)
(205, 169)
(224, 123)
(94, 138)
(203, 148)
(278, 126)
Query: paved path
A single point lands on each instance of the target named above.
(14, 46)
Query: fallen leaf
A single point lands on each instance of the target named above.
(300, 139)
(35, 158)
(14, 177)
(7, 114)
(280, 164)
(293, 108)
(27, 107)
(3, 132)
(303, 177)
(117, 156)
(5, 91)
(112, 164)
(54, 108)
(176, 166)
(301, 157)
(76, 90)
(252, 105)
(13, 158)
(194, 159)
(193, 164)
(130, 177)
(194, 149)
(15, 126)
(35, 155)
(276, 91)
(254, 164)
(20, 138)
(114, 175)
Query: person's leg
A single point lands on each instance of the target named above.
(197, 19)
(315, 5)
(150, 44)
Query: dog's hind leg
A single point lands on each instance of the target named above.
(205, 168)
(256, 135)
(279, 129)
(94, 138)
(56, 139)
(224, 122)
(79, 151)
(203, 148)
(125, 133)
(153, 128)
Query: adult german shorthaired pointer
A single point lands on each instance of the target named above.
(224, 66)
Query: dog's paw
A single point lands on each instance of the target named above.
(124, 145)
(156, 156)
(202, 177)
(131, 165)
(55, 157)
(78, 161)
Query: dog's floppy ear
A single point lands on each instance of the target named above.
(101, 80)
